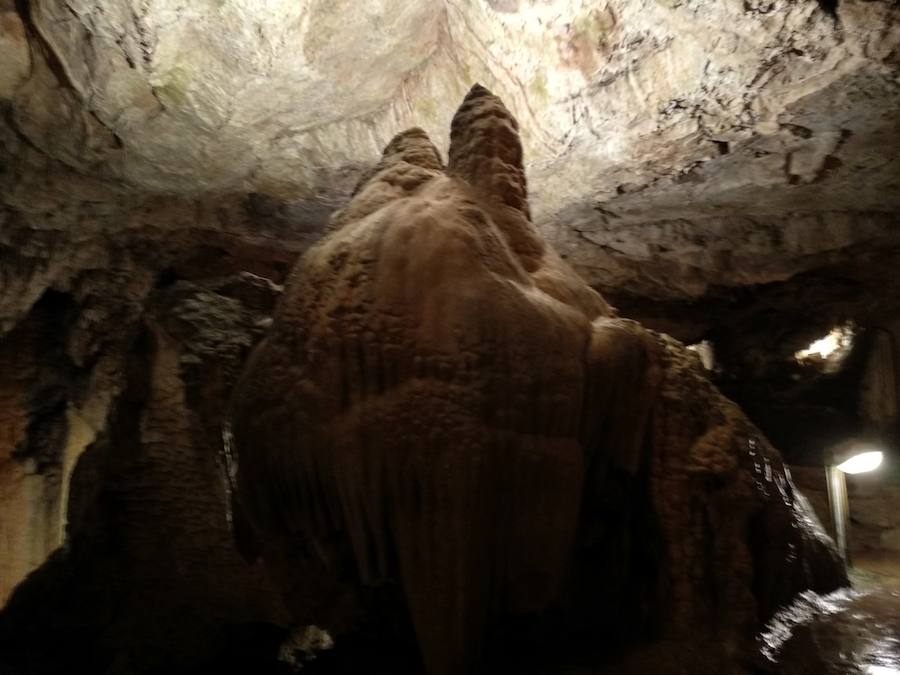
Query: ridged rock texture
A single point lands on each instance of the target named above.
(679, 151)
(717, 170)
(443, 402)
(149, 580)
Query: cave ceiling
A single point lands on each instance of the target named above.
(685, 157)
(720, 170)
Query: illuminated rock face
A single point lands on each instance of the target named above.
(732, 185)
(40, 442)
(667, 160)
(443, 401)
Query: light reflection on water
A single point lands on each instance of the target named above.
(802, 611)
(884, 657)
(845, 631)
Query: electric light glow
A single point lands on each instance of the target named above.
(862, 463)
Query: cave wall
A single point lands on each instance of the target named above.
(148, 579)
(874, 510)
(812, 408)
(670, 162)
(43, 437)
(723, 184)
(874, 497)
(442, 403)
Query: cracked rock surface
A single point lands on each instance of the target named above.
(718, 170)
(443, 405)
(675, 147)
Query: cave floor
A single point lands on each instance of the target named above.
(875, 571)
(860, 634)
(849, 632)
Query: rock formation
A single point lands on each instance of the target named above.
(148, 580)
(441, 400)
(717, 170)
(679, 151)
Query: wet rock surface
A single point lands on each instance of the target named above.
(436, 375)
(843, 633)
(718, 171)
(150, 581)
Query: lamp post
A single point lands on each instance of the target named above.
(861, 462)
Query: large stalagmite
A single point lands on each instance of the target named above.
(443, 401)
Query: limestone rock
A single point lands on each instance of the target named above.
(668, 159)
(149, 578)
(441, 400)
(891, 539)
(717, 170)
(14, 51)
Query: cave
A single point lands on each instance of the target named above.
(442, 337)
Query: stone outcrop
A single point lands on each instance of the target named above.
(677, 150)
(148, 579)
(442, 401)
(716, 170)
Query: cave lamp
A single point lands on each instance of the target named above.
(842, 463)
